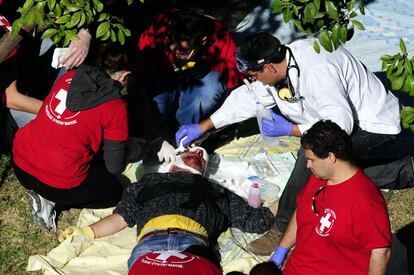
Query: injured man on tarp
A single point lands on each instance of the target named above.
(177, 209)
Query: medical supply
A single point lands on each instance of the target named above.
(181, 147)
(263, 112)
(254, 196)
(269, 190)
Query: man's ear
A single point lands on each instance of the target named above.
(123, 76)
(270, 67)
(332, 157)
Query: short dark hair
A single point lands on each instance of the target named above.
(261, 46)
(190, 26)
(265, 268)
(111, 57)
(326, 136)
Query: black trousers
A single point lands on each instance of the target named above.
(100, 189)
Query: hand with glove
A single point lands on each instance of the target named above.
(78, 50)
(191, 131)
(165, 151)
(279, 256)
(71, 231)
(276, 127)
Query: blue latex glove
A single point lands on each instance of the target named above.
(190, 130)
(276, 127)
(279, 256)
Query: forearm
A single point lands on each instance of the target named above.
(273, 207)
(206, 125)
(295, 132)
(379, 261)
(109, 225)
(289, 238)
(17, 101)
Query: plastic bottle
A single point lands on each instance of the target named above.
(254, 197)
(263, 112)
(269, 190)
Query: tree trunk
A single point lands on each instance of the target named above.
(9, 41)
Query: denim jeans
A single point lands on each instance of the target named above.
(384, 158)
(162, 242)
(195, 103)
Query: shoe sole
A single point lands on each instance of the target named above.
(36, 215)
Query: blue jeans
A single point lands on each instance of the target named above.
(384, 158)
(162, 242)
(196, 102)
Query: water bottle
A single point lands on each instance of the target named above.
(254, 195)
(269, 190)
(263, 112)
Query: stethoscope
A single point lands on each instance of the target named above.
(289, 93)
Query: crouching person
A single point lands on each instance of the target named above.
(341, 223)
(178, 209)
(56, 154)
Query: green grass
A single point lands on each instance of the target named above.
(19, 238)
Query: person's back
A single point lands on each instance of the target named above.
(362, 95)
(59, 144)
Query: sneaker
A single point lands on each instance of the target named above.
(43, 213)
(267, 243)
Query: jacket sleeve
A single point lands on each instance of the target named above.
(128, 207)
(114, 154)
(243, 216)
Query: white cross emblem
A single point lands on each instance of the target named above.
(164, 255)
(325, 223)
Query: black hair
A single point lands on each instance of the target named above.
(262, 45)
(205, 252)
(326, 136)
(265, 268)
(111, 57)
(190, 26)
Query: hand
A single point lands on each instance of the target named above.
(192, 131)
(276, 127)
(78, 50)
(279, 256)
(164, 150)
(135, 149)
(71, 231)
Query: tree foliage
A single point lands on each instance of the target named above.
(61, 20)
(331, 21)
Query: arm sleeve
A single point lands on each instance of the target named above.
(128, 207)
(243, 216)
(328, 97)
(241, 104)
(114, 155)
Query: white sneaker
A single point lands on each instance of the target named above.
(43, 213)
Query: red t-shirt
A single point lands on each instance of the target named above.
(173, 263)
(352, 221)
(58, 145)
(220, 53)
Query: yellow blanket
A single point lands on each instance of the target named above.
(108, 255)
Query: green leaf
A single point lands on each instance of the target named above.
(49, 33)
(407, 83)
(106, 36)
(51, 4)
(58, 10)
(358, 25)
(98, 5)
(389, 70)
(113, 35)
(316, 46)
(82, 19)
(121, 37)
(102, 17)
(408, 66)
(63, 19)
(325, 40)
(38, 19)
(17, 25)
(400, 68)
(295, 10)
(336, 33)
(102, 29)
(407, 116)
(331, 10)
(397, 83)
(386, 57)
(353, 14)
(403, 47)
(344, 34)
(317, 4)
(310, 12)
(277, 6)
(287, 15)
(362, 9)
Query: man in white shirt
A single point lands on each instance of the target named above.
(307, 87)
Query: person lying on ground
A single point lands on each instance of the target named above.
(179, 208)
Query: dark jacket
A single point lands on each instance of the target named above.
(192, 196)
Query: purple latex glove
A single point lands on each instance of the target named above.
(279, 256)
(192, 131)
(276, 127)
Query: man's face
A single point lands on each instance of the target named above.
(193, 158)
(321, 168)
(182, 50)
(268, 75)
